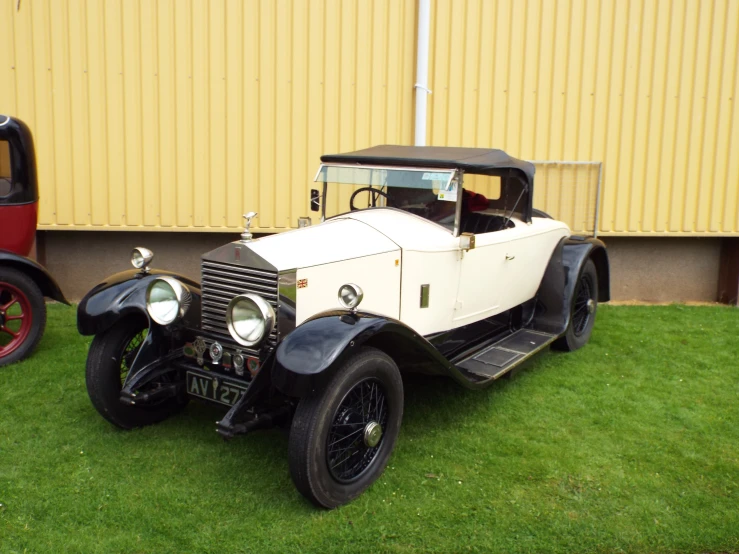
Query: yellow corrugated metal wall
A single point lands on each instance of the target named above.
(647, 87)
(183, 114)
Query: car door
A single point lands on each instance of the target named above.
(482, 270)
(505, 268)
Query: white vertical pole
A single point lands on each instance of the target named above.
(422, 70)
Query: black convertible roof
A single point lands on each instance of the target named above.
(478, 161)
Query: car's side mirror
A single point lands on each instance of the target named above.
(315, 200)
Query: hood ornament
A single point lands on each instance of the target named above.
(246, 236)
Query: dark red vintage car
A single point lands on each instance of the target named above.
(23, 282)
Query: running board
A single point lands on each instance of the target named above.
(507, 353)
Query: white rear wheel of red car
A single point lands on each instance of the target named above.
(343, 434)
(22, 315)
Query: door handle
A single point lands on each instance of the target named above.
(509, 257)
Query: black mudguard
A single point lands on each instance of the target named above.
(558, 284)
(309, 356)
(124, 294)
(35, 271)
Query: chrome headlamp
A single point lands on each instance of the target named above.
(350, 295)
(141, 258)
(250, 319)
(167, 300)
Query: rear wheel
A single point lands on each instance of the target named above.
(342, 436)
(582, 311)
(108, 361)
(22, 315)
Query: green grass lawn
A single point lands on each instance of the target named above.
(630, 444)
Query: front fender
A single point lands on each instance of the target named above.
(316, 349)
(124, 294)
(35, 271)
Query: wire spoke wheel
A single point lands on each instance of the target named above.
(130, 351)
(344, 431)
(584, 304)
(16, 318)
(356, 431)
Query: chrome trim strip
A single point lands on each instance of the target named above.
(240, 256)
(218, 275)
(214, 266)
(458, 210)
(287, 290)
(396, 167)
(323, 202)
(425, 295)
(239, 289)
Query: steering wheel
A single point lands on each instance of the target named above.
(372, 192)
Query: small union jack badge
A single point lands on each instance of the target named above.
(302, 283)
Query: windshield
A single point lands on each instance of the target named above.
(428, 193)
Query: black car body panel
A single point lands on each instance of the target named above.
(560, 279)
(43, 279)
(310, 355)
(124, 294)
(23, 161)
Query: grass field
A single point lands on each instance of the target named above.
(630, 444)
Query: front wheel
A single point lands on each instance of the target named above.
(108, 361)
(582, 311)
(342, 436)
(22, 315)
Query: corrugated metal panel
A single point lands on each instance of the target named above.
(647, 87)
(570, 190)
(184, 114)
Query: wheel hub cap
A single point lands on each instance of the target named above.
(372, 434)
(591, 306)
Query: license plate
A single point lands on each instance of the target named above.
(214, 389)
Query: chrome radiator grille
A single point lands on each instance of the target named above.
(221, 282)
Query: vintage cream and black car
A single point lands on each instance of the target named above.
(438, 264)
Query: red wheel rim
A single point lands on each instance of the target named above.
(16, 319)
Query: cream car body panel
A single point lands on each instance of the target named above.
(335, 240)
(440, 271)
(377, 275)
(505, 268)
(408, 231)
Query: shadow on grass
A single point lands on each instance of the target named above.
(439, 402)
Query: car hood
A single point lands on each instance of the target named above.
(410, 232)
(332, 241)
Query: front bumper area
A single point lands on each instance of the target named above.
(156, 375)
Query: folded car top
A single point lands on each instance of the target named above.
(478, 161)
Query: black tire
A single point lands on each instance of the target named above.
(108, 360)
(582, 317)
(330, 478)
(22, 315)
